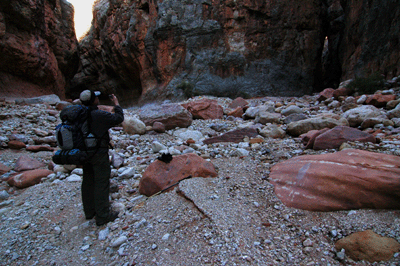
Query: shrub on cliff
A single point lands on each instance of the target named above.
(367, 85)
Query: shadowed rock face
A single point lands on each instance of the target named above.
(371, 38)
(173, 49)
(147, 50)
(39, 51)
(38, 47)
(155, 50)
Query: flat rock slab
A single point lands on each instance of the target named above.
(349, 179)
(235, 136)
(215, 203)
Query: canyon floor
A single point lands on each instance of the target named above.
(232, 219)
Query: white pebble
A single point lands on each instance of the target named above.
(119, 241)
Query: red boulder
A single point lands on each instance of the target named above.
(16, 145)
(205, 109)
(333, 138)
(379, 100)
(26, 163)
(345, 180)
(160, 175)
(28, 178)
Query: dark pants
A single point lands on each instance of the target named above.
(96, 186)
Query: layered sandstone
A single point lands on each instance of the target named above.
(346, 180)
(38, 47)
(147, 50)
(156, 50)
(174, 49)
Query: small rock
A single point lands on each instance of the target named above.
(25, 225)
(74, 178)
(85, 247)
(4, 195)
(165, 237)
(308, 243)
(103, 234)
(119, 241)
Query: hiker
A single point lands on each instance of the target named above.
(97, 170)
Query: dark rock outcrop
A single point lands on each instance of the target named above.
(146, 50)
(150, 50)
(174, 49)
(371, 38)
(38, 47)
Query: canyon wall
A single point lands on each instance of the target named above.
(371, 38)
(171, 49)
(147, 50)
(38, 48)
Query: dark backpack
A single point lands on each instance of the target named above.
(73, 135)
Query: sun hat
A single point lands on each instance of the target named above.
(87, 97)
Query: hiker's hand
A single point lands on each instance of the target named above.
(114, 99)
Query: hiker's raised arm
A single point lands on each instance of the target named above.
(114, 99)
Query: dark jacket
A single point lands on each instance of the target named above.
(102, 121)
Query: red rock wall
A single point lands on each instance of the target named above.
(147, 50)
(154, 49)
(150, 50)
(38, 47)
(371, 38)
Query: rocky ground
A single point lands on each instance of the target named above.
(233, 219)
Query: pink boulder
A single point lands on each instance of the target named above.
(160, 175)
(4, 169)
(369, 246)
(16, 145)
(26, 163)
(342, 91)
(326, 94)
(205, 109)
(237, 112)
(38, 148)
(308, 138)
(345, 180)
(28, 178)
(170, 115)
(238, 102)
(333, 138)
(159, 127)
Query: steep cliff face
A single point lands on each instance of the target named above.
(38, 48)
(371, 38)
(146, 50)
(166, 49)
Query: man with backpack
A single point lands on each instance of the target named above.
(97, 170)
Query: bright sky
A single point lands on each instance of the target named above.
(83, 15)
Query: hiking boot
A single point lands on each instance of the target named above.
(90, 216)
(110, 218)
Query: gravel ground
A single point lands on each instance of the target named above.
(233, 219)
